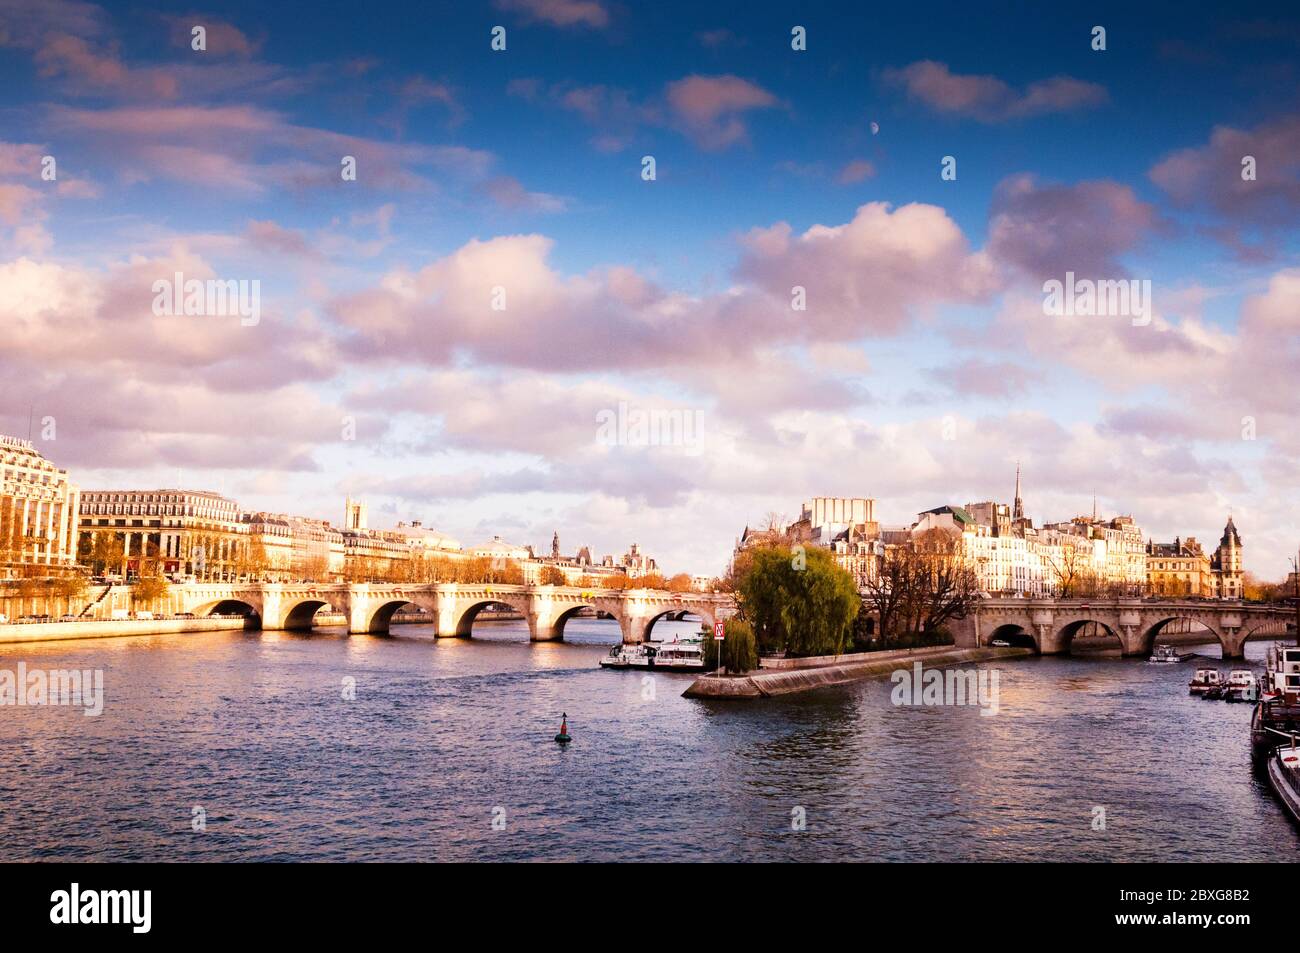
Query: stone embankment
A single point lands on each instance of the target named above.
(801, 675)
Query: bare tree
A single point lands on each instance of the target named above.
(921, 585)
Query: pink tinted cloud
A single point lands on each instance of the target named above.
(871, 275)
(563, 13)
(867, 277)
(857, 170)
(1045, 229)
(250, 149)
(988, 98)
(1246, 205)
(222, 38)
(86, 71)
(711, 108)
(614, 113)
(80, 316)
(510, 194)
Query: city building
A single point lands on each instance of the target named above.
(354, 514)
(270, 545)
(635, 563)
(1183, 568)
(1227, 565)
(1180, 568)
(424, 541)
(498, 549)
(1009, 555)
(38, 511)
(186, 532)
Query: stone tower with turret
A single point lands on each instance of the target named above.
(1227, 564)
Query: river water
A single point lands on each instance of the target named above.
(446, 753)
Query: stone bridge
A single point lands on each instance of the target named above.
(1053, 623)
(452, 606)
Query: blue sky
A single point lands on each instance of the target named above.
(522, 169)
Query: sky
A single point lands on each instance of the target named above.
(447, 334)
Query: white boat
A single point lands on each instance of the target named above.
(1242, 686)
(1206, 681)
(1167, 653)
(1282, 673)
(681, 656)
(1284, 777)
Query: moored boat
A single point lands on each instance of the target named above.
(1242, 686)
(1206, 682)
(1167, 653)
(682, 656)
(1277, 715)
(1284, 776)
(1282, 673)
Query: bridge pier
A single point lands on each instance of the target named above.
(544, 616)
(1234, 642)
(447, 618)
(636, 629)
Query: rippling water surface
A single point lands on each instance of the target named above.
(443, 735)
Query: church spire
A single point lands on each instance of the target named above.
(1018, 510)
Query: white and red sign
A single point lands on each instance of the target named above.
(719, 631)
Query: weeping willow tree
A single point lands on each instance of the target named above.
(739, 650)
(797, 600)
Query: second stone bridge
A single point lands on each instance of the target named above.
(1052, 624)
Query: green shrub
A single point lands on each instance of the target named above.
(739, 648)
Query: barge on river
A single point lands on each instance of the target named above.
(683, 656)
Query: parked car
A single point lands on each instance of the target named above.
(144, 615)
(3, 618)
(185, 615)
(67, 617)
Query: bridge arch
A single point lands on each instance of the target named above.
(376, 616)
(1282, 628)
(226, 607)
(462, 625)
(569, 612)
(379, 619)
(1154, 629)
(1101, 634)
(301, 615)
(671, 615)
(1016, 635)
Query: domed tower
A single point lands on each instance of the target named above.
(1227, 559)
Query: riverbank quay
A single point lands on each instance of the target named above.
(112, 628)
(788, 676)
